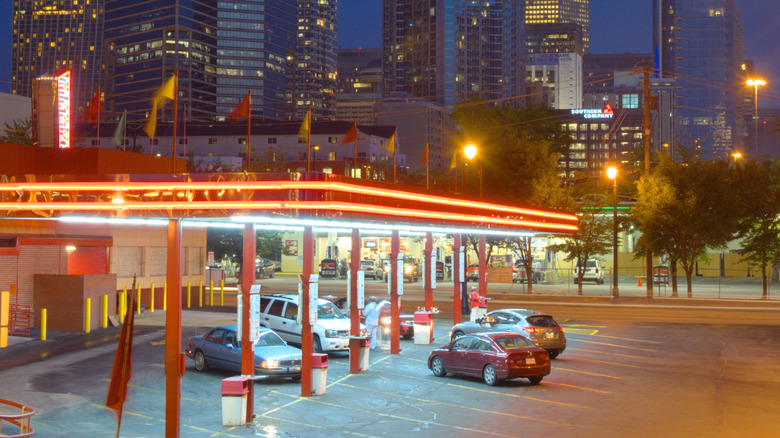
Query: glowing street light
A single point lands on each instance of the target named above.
(612, 174)
(470, 151)
(755, 83)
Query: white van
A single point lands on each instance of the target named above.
(593, 271)
(279, 312)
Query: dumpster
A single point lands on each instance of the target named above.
(234, 401)
(423, 327)
(319, 373)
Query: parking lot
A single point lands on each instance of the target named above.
(618, 377)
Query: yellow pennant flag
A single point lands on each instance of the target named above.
(151, 123)
(391, 143)
(167, 91)
(305, 129)
(454, 162)
(425, 155)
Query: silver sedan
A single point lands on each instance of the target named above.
(541, 328)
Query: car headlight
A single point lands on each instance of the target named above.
(408, 269)
(269, 364)
(386, 320)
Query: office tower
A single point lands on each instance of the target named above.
(255, 51)
(50, 37)
(548, 12)
(450, 50)
(315, 63)
(359, 70)
(147, 41)
(699, 44)
(554, 38)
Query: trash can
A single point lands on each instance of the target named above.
(234, 401)
(423, 327)
(319, 373)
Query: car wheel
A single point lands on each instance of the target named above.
(437, 366)
(554, 353)
(535, 379)
(200, 361)
(601, 281)
(271, 276)
(317, 344)
(457, 335)
(489, 375)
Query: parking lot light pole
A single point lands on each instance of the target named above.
(612, 174)
(471, 151)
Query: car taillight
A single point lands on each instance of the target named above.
(529, 329)
(560, 328)
(189, 351)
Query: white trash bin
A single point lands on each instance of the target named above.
(235, 391)
(319, 373)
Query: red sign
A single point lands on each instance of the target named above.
(607, 109)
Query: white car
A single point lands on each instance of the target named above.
(371, 270)
(593, 271)
(279, 312)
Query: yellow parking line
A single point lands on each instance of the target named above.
(601, 361)
(630, 339)
(162, 420)
(519, 396)
(156, 391)
(606, 353)
(588, 373)
(579, 331)
(547, 382)
(613, 345)
(471, 408)
(583, 325)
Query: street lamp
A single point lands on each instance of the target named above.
(612, 174)
(736, 156)
(470, 151)
(314, 150)
(755, 84)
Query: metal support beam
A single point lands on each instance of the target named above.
(307, 342)
(174, 358)
(429, 270)
(247, 280)
(354, 313)
(395, 313)
(456, 312)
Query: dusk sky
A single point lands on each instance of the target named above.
(616, 26)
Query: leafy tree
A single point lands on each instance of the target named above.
(687, 207)
(228, 244)
(272, 159)
(518, 151)
(759, 226)
(594, 235)
(18, 132)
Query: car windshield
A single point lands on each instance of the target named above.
(541, 321)
(269, 339)
(513, 342)
(328, 310)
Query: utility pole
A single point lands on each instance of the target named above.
(646, 137)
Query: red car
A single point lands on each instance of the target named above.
(472, 272)
(494, 357)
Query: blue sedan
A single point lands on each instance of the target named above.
(219, 348)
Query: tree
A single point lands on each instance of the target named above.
(518, 151)
(228, 244)
(687, 207)
(594, 235)
(19, 131)
(759, 226)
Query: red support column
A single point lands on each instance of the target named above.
(354, 313)
(395, 313)
(458, 304)
(429, 270)
(174, 358)
(247, 280)
(482, 266)
(307, 342)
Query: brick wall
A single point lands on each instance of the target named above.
(64, 298)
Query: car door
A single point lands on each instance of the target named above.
(475, 358)
(274, 319)
(457, 356)
(502, 321)
(211, 347)
(230, 352)
(289, 323)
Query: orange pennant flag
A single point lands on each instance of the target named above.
(425, 155)
(352, 134)
(242, 109)
(120, 374)
(95, 108)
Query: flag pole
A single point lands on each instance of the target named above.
(308, 143)
(184, 130)
(249, 133)
(427, 169)
(98, 117)
(175, 109)
(124, 131)
(395, 149)
(354, 159)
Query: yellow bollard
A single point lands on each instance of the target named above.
(87, 314)
(43, 324)
(5, 306)
(189, 290)
(104, 311)
(138, 300)
(165, 296)
(200, 293)
(221, 292)
(211, 292)
(122, 304)
(151, 299)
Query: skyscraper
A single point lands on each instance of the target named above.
(699, 43)
(315, 63)
(550, 12)
(255, 51)
(449, 50)
(50, 37)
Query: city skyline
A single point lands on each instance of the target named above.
(360, 25)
